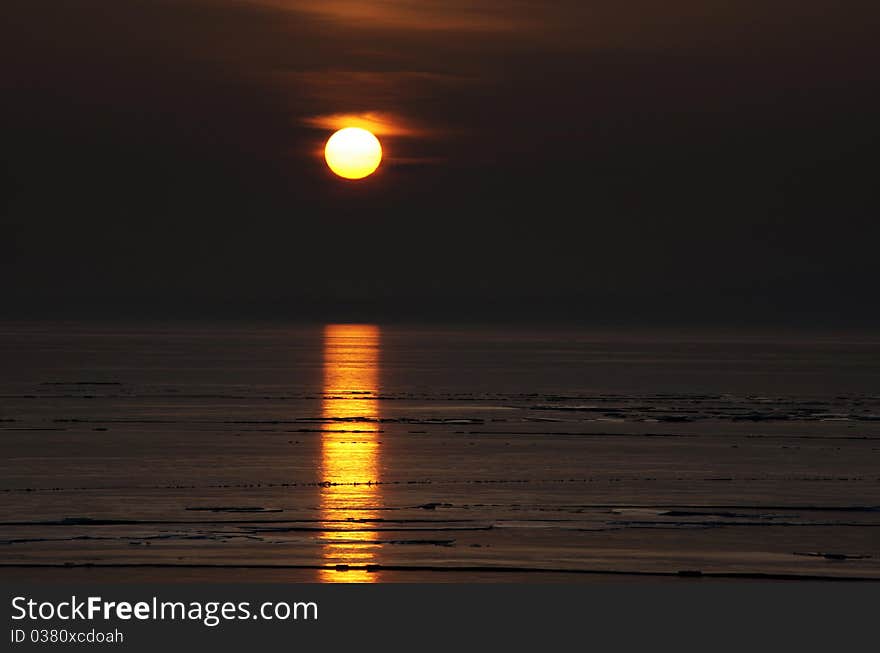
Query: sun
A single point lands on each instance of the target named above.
(353, 153)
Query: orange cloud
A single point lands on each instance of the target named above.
(379, 123)
(457, 15)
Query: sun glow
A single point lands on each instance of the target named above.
(353, 153)
(350, 452)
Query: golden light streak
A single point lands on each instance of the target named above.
(350, 450)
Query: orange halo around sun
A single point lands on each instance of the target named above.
(353, 153)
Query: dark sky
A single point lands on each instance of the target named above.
(691, 161)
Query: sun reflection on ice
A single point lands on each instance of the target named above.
(350, 451)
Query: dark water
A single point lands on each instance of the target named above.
(365, 453)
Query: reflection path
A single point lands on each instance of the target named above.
(350, 450)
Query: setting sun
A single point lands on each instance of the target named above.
(353, 153)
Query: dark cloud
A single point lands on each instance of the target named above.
(693, 161)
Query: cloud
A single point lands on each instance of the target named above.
(445, 15)
(380, 123)
(382, 102)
